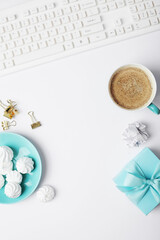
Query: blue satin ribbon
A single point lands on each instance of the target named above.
(136, 185)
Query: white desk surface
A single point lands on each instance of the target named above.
(81, 146)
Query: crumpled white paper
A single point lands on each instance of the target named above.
(135, 134)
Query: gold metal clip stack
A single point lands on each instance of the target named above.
(6, 124)
(35, 123)
(10, 110)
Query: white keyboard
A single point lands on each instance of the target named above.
(42, 30)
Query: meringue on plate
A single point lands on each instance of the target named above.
(6, 167)
(1, 181)
(14, 176)
(6, 154)
(25, 165)
(13, 190)
(45, 193)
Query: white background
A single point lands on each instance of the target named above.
(81, 146)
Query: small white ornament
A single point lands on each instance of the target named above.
(6, 167)
(14, 176)
(135, 134)
(6, 154)
(12, 190)
(25, 165)
(1, 181)
(45, 193)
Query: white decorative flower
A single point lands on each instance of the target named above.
(6, 167)
(25, 165)
(14, 176)
(13, 190)
(46, 193)
(6, 154)
(135, 134)
(1, 181)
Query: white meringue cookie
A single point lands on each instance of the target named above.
(6, 167)
(12, 190)
(14, 176)
(1, 181)
(46, 193)
(6, 154)
(25, 165)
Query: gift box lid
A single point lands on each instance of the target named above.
(146, 161)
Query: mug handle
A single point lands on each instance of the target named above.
(154, 108)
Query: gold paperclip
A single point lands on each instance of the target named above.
(35, 123)
(6, 124)
(10, 110)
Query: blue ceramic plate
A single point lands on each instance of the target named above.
(22, 147)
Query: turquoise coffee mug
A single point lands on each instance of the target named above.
(151, 77)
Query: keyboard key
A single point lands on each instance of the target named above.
(75, 8)
(51, 42)
(42, 44)
(52, 32)
(156, 3)
(91, 20)
(8, 54)
(92, 29)
(143, 15)
(112, 6)
(19, 42)
(33, 10)
(17, 52)
(76, 34)
(56, 22)
(120, 31)
(59, 39)
(148, 4)
(140, 7)
(22, 32)
(142, 24)
(8, 28)
(120, 3)
(133, 9)
(97, 37)
(68, 45)
(88, 4)
(61, 29)
(6, 37)
(66, 10)
(118, 22)
(10, 45)
(81, 42)
(154, 20)
(128, 28)
(69, 27)
(36, 37)
(33, 46)
(111, 33)
(67, 36)
(103, 8)
(2, 67)
(50, 5)
(151, 12)
(9, 63)
(25, 49)
(92, 11)
(12, 17)
(130, 2)
(135, 17)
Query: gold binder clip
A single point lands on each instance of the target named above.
(6, 124)
(10, 111)
(35, 123)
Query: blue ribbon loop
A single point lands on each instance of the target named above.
(136, 185)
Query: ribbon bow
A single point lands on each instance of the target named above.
(136, 185)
